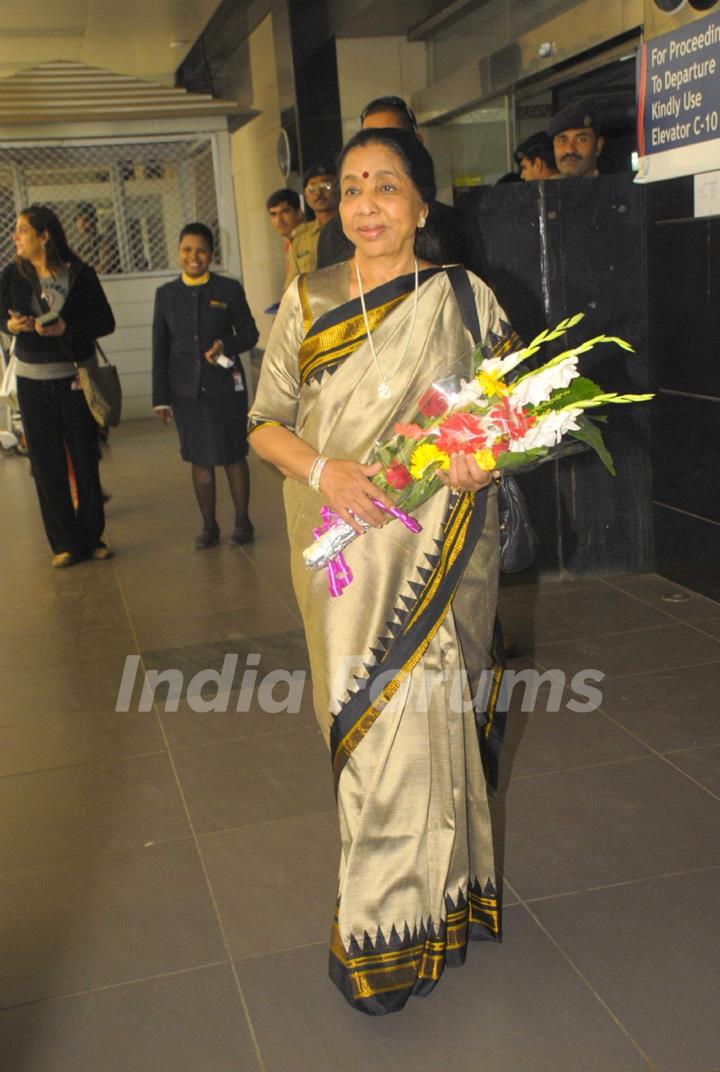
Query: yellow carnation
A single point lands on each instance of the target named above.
(485, 459)
(425, 456)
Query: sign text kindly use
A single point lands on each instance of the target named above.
(679, 88)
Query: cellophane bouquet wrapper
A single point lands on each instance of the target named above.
(505, 418)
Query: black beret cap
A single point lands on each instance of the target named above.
(321, 168)
(532, 146)
(574, 117)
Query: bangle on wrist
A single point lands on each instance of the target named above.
(316, 471)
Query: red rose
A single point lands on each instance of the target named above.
(461, 433)
(398, 476)
(433, 403)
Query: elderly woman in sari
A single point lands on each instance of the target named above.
(353, 349)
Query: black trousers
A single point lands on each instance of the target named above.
(54, 416)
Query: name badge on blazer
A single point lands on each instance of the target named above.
(215, 304)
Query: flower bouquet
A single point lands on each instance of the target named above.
(505, 421)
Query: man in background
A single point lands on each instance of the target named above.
(320, 192)
(90, 244)
(285, 215)
(453, 230)
(535, 157)
(577, 140)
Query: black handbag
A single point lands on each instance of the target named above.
(518, 539)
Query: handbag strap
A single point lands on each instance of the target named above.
(466, 300)
(102, 353)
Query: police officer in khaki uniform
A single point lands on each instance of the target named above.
(321, 195)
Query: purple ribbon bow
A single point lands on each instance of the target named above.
(339, 574)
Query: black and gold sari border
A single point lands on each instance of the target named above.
(339, 332)
(379, 976)
(422, 620)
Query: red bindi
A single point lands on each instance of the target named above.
(366, 174)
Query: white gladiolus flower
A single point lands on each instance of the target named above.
(500, 366)
(548, 431)
(470, 393)
(537, 388)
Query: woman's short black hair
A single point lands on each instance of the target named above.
(416, 160)
(199, 229)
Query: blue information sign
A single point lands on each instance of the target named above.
(679, 101)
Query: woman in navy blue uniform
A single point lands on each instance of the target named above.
(202, 323)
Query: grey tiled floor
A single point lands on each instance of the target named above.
(167, 876)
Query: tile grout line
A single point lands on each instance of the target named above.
(596, 994)
(265, 822)
(285, 949)
(283, 598)
(211, 893)
(689, 777)
(662, 610)
(707, 868)
(642, 673)
(115, 986)
(584, 766)
(662, 755)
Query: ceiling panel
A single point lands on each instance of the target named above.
(144, 38)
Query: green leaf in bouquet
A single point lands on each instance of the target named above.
(385, 455)
(415, 494)
(589, 433)
(550, 334)
(579, 390)
(510, 459)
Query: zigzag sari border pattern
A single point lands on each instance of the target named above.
(461, 532)
(379, 975)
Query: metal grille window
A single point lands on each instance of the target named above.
(122, 204)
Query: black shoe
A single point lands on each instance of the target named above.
(207, 538)
(242, 534)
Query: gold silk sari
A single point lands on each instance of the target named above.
(398, 659)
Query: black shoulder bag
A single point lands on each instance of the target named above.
(518, 539)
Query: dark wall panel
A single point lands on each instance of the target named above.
(688, 550)
(684, 314)
(686, 457)
(554, 249)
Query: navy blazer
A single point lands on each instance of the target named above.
(186, 322)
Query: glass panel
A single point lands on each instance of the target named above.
(122, 205)
(471, 149)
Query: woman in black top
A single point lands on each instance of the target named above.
(201, 325)
(47, 277)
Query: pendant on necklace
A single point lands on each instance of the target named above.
(383, 390)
